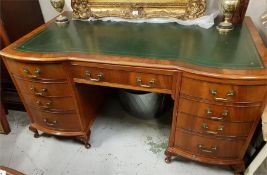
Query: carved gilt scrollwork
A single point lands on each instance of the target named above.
(182, 9)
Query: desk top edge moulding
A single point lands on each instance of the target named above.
(136, 9)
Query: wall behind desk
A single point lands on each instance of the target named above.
(255, 10)
(49, 12)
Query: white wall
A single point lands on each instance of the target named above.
(49, 12)
(255, 9)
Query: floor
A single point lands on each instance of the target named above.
(121, 145)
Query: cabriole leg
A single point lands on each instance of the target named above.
(35, 131)
(85, 139)
(238, 168)
(168, 157)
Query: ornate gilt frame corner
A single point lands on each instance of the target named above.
(136, 9)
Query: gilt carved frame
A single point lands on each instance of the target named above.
(138, 9)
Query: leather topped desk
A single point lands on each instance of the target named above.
(218, 82)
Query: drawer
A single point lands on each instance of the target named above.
(208, 147)
(219, 112)
(145, 80)
(50, 104)
(49, 71)
(56, 121)
(44, 89)
(123, 78)
(222, 92)
(213, 128)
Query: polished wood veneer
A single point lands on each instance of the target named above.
(155, 80)
(219, 112)
(213, 128)
(51, 104)
(59, 121)
(44, 89)
(208, 147)
(217, 106)
(222, 92)
(50, 71)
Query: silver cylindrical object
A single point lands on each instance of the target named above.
(144, 105)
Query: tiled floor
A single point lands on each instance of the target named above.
(121, 144)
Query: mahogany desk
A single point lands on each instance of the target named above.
(218, 82)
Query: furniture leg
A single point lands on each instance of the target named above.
(168, 157)
(85, 139)
(35, 131)
(4, 126)
(238, 168)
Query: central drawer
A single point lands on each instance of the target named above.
(128, 79)
(207, 147)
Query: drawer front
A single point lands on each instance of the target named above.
(56, 121)
(100, 75)
(44, 89)
(37, 71)
(50, 104)
(208, 147)
(120, 78)
(219, 112)
(145, 80)
(222, 92)
(213, 128)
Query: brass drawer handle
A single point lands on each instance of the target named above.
(35, 74)
(221, 99)
(206, 127)
(100, 76)
(46, 106)
(224, 114)
(42, 92)
(213, 149)
(151, 83)
(53, 123)
(214, 92)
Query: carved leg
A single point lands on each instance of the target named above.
(85, 139)
(168, 157)
(36, 134)
(239, 168)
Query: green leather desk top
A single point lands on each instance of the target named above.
(204, 47)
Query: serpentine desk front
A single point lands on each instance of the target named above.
(218, 82)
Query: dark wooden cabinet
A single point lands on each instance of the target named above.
(241, 11)
(18, 17)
